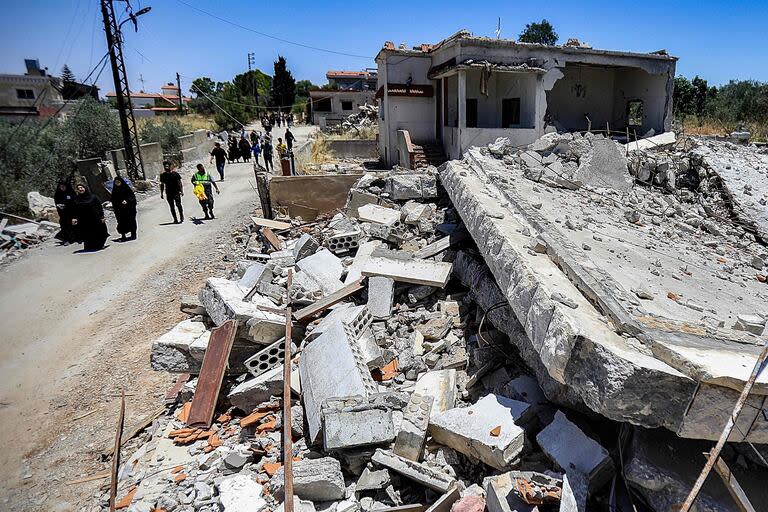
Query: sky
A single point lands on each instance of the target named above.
(717, 40)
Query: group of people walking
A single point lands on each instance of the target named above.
(81, 214)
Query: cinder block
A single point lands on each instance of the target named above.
(413, 429)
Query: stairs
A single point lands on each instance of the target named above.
(428, 153)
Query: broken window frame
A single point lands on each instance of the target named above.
(320, 104)
(632, 117)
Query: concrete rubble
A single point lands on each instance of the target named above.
(518, 369)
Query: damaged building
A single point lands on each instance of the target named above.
(467, 91)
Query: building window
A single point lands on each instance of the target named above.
(510, 112)
(471, 112)
(346, 105)
(323, 105)
(635, 113)
(25, 94)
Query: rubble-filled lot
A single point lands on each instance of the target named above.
(416, 385)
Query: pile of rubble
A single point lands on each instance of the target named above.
(403, 395)
(366, 117)
(15, 238)
(411, 391)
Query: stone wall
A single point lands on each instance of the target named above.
(354, 148)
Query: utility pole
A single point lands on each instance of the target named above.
(141, 79)
(133, 163)
(181, 103)
(254, 90)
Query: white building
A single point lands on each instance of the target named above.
(467, 91)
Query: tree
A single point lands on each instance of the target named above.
(200, 103)
(283, 86)
(541, 33)
(254, 84)
(67, 76)
(303, 87)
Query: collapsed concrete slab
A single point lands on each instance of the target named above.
(487, 430)
(223, 300)
(583, 328)
(331, 366)
(744, 174)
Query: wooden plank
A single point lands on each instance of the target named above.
(269, 223)
(141, 425)
(19, 218)
(441, 245)
(262, 185)
(211, 375)
(116, 455)
(715, 453)
(734, 489)
(272, 239)
(98, 476)
(287, 439)
(172, 395)
(326, 302)
(3, 223)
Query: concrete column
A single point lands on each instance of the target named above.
(462, 96)
(385, 134)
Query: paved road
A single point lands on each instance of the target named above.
(49, 297)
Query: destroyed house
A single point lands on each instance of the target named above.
(467, 91)
(345, 93)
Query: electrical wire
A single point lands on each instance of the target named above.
(217, 105)
(263, 34)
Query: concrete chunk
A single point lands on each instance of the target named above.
(401, 187)
(313, 479)
(413, 429)
(573, 450)
(331, 366)
(352, 429)
(223, 299)
(241, 493)
(419, 473)
(426, 272)
(172, 351)
(488, 430)
(378, 214)
(441, 386)
(249, 394)
(381, 291)
(305, 246)
(354, 272)
(325, 268)
(254, 274)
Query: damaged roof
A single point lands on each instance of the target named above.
(465, 36)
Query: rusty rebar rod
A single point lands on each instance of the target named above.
(116, 454)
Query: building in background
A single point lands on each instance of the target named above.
(38, 94)
(467, 91)
(345, 93)
(147, 104)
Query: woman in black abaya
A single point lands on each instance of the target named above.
(88, 220)
(124, 206)
(64, 197)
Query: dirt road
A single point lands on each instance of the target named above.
(76, 328)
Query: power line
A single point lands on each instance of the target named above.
(217, 105)
(302, 45)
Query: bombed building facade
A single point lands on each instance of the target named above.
(467, 91)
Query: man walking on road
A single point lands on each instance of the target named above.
(289, 138)
(266, 148)
(202, 178)
(170, 185)
(221, 158)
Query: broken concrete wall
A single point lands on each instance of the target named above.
(353, 148)
(304, 195)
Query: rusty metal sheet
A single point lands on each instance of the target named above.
(211, 375)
